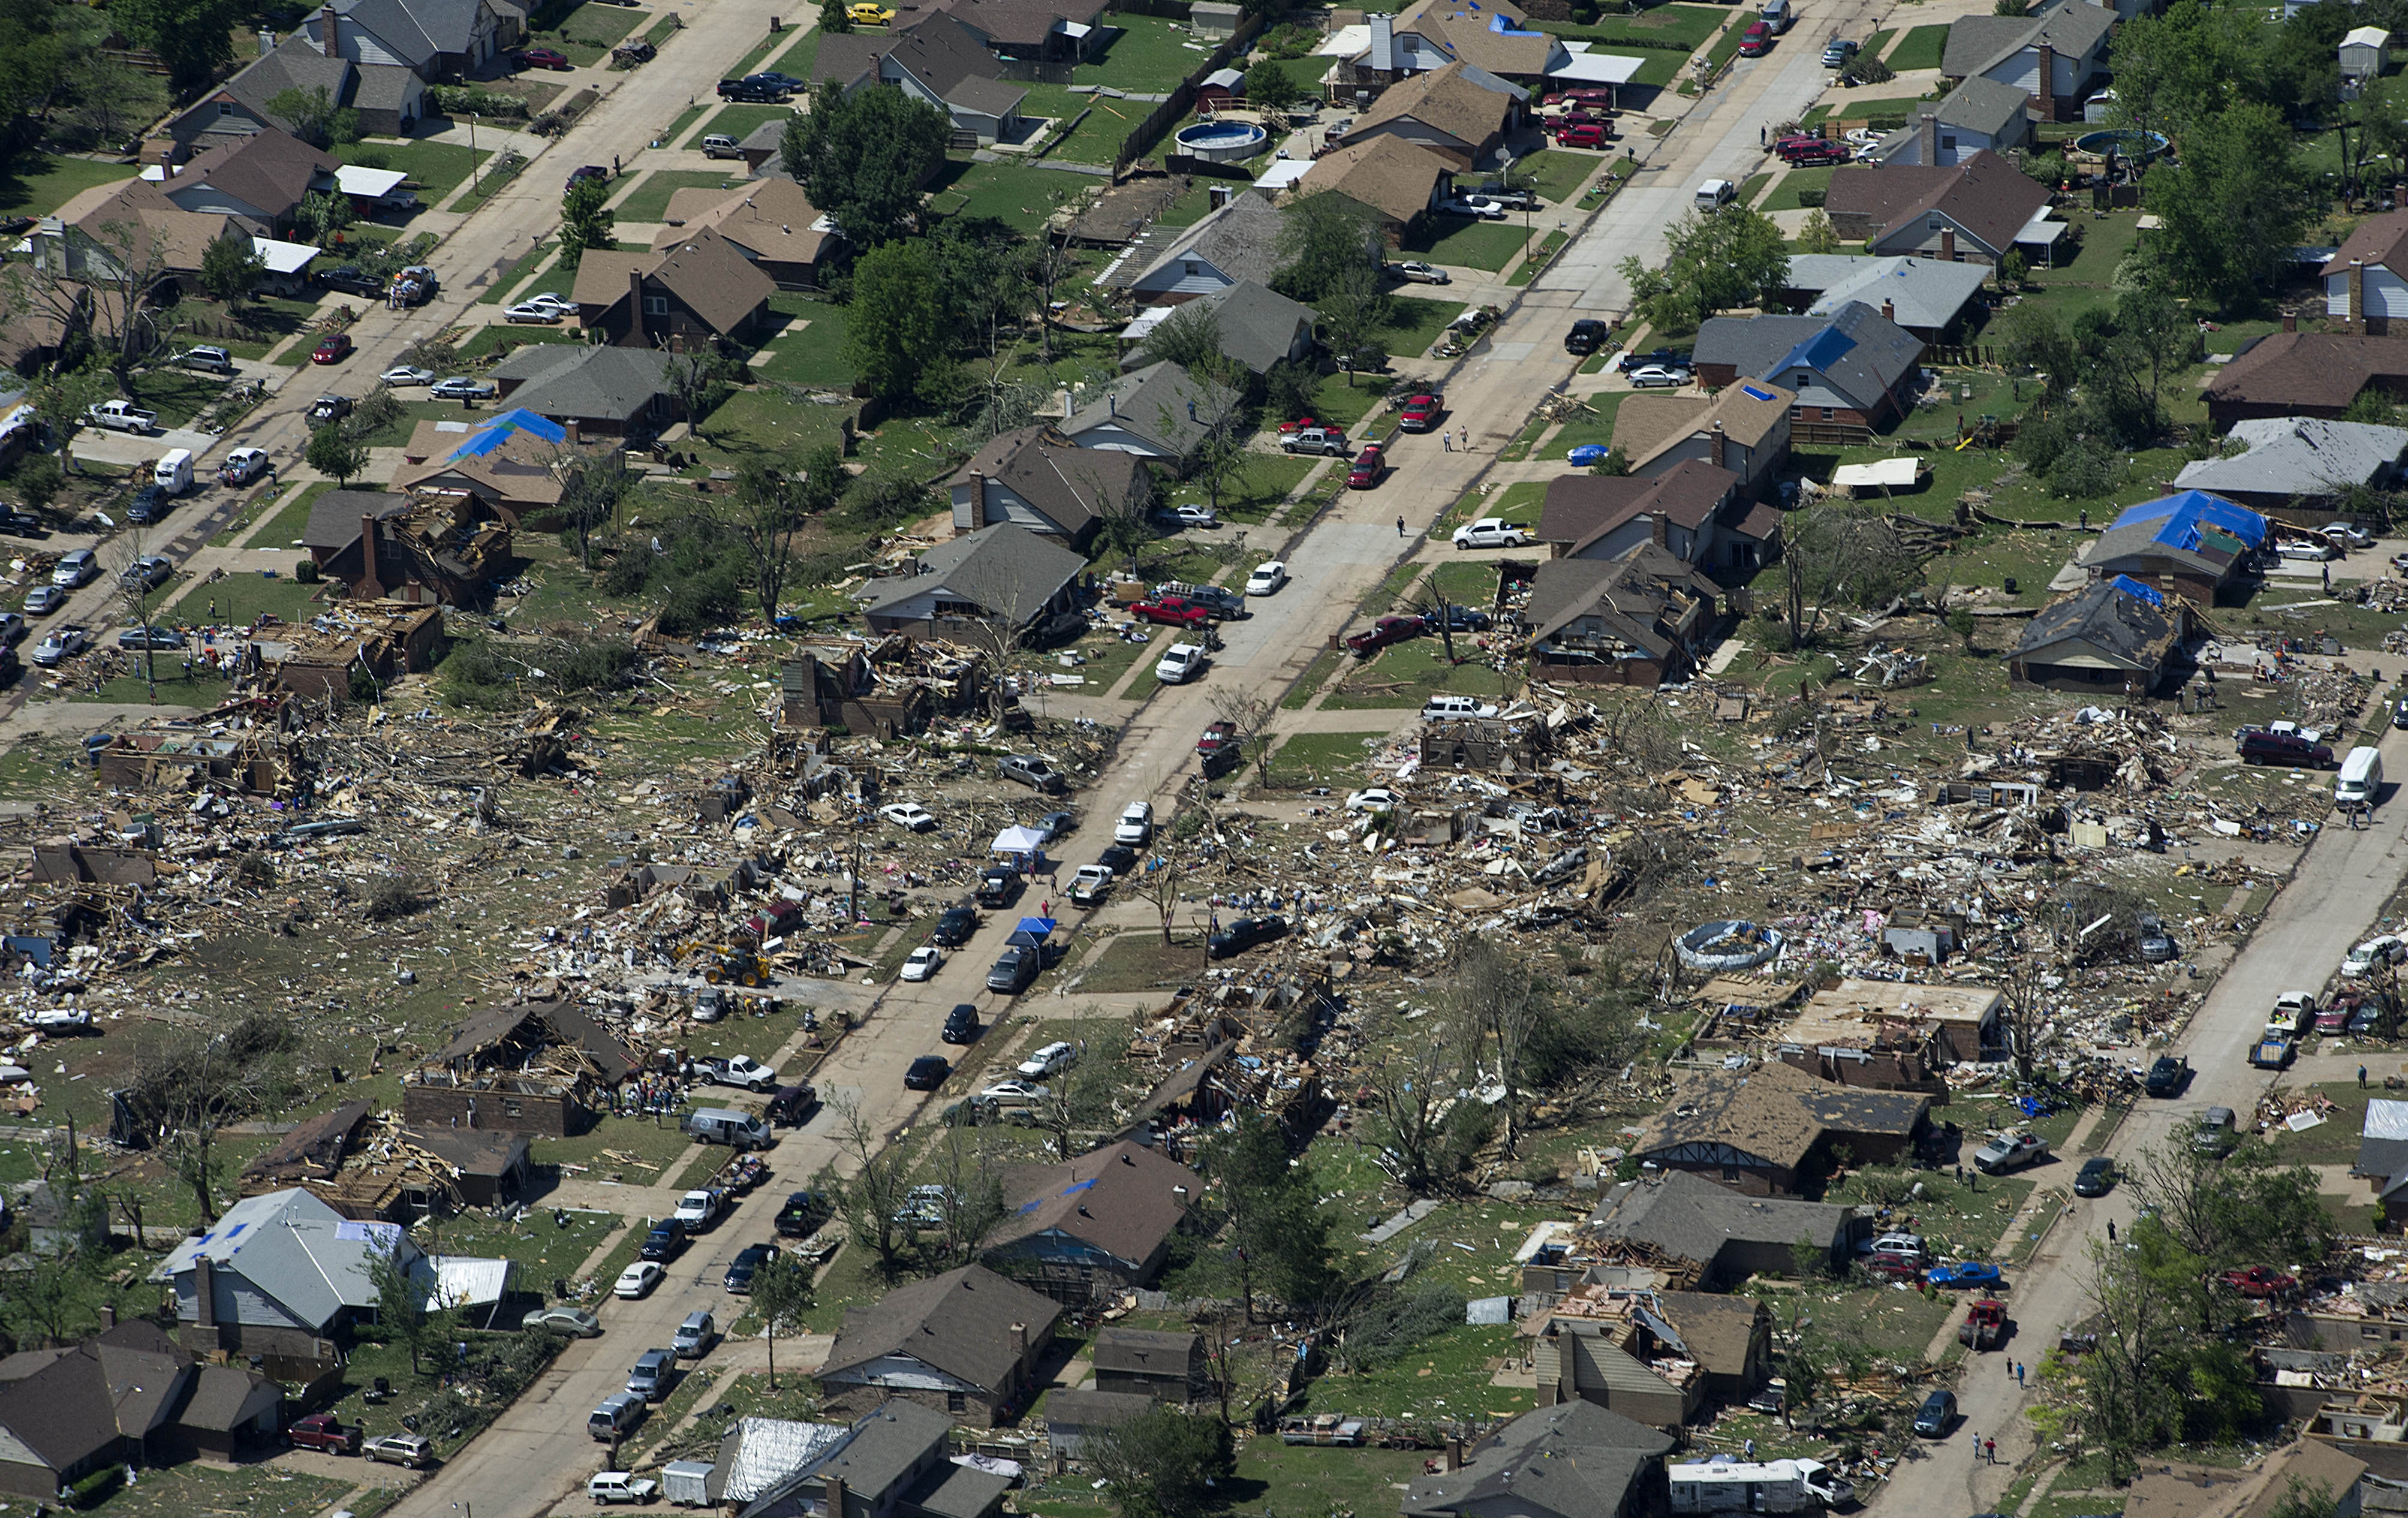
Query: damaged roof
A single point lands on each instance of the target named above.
(1691, 1218)
(551, 1021)
(1123, 1199)
(1777, 1112)
(961, 1323)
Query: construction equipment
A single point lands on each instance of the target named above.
(729, 962)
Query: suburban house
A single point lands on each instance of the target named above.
(892, 1462)
(1074, 1417)
(443, 549)
(2271, 462)
(1258, 325)
(2051, 57)
(688, 296)
(965, 1343)
(390, 98)
(1770, 1130)
(2366, 281)
(487, 1167)
(1681, 511)
(109, 230)
(591, 391)
(1743, 428)
(2318, 374)
(1458, 111)
(1577, 1460)
(2112, 636)
(1396, 180)
(1975, 210)
(435, 39)
(939, 59)
(1165, 1367)
(1040, 31)
(2191, 544)
(1428, 35)
(1094, 1226)
(1237, 243)
(258, 179)
(770, 221)
(1726, 1235)
(1921, 297)
(1851, 369)
(1037, 479)
(1981, 115)
(2383, 1158)
(1652, 1356)
(129, 1396)
(1003, 577)
(504, 460)
(1160, 411)
(1640, 619)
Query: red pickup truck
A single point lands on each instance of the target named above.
(1172, 610)
(1386, 630)
(321, 1431)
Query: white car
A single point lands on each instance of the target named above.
(242, 467)
(2390, 949)
(1179, 663)
(461, 388)
(1135, 825)
(1197, 516)
(2300, 548)
(924, 963)
(402, 375)
(1417, 272)
(1051, 1060)
(1480, 205)
(60, 1019)
(1490, 532)
(638, 1280)
(1659, 376)
(76, 567)
(64, 643)
(1019, 1092)
(909, 814)
(554, 300)
(530, 312)
(1267, 579)
(1893, 1243)
(2348, 536)
(1379, 798)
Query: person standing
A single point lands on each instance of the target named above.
(1445, 440)
(1977, 1448)
(1990, 1451)
(1400, 526)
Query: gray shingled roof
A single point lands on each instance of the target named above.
(1851, 356)
(1577, 1460)
(2126, 627)
(1004, 568)
(1240, 239)
(294, 65)
(1153, 402)
(335, 517)
(567, 381)
(293, 1250)
(1925, 292)
(959, 1322)
(1258, 324)
(1979, 43)
(2299, 455)
(1691, 1218)
(882, 1448)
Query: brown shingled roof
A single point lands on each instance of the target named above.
(2378, 239)
(1444, 99)
(2313, 370)
(1986, 194)
(1123, 1199)
(960, 1323)
(1389, 174)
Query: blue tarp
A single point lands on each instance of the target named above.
(1820, 352)
(1502, 27)
(2189, 515)
(2139, 592)
(499, 430)
(1041, 927)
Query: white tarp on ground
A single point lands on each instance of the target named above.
(463, 1281)
(1596, 68)
(1893, 473)
(368, 183)
(1283, 173)
(283, 257)
(1017, 840)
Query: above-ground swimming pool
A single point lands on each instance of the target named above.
(2143, 145)
(1221, 143)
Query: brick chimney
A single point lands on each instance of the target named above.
(832, 1496)
(1926, 133)
(575, 437)
(636, 302)
(1889, 310)
(2354, 317)
(1720, 442)
(2047, 93)
(1948, 245)
(328, 24)
(205, 1293)
(1454, 1451)
(370, 586)
(2290, 320)
(978, 500)
(1020, 1345)
(1659, 530)
(107, 1315)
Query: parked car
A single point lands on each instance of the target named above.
(1331, 441)
(461, 388)
(1490, 532)
(869, 13)
(149, 572)
(541, 58)
(927, 1073)
(1032, 771)
(324, 1431)
(327, 409)
(77, 566)
(157, 639)
(2384, 949)
(747, 1264)
(1267, 579)
(1839, 54)
(1386, 630)
(1965, 1273)
(1421, 412)
(333, 348)
(665, 1242)
(1368, 467)
(409, 1450)
(1677, 358)
(2342, 532)
(2156, 944)
(1377, 799)
(2310, 550)
(1192, 515)
(1811, 152)
(1135, 826)
(1659, 377)
(2285, 748)
(526, 311)
(1245, 934)
(243, 465)
(608, 1486)
(22, 523)
(955, 927)
(1937, 1415)
(2010, 1152)
(1592, 136)
(584, 171)
(61, 643)
(2166, 1075)
(922, 963)
(1756, 41)
(910, 816)
(802, 1215)
(2260, 1282)
(2096, 1178)
(1091, 885)
(1587, 335)
(44, 599)
(961, 1024)
(573, 1321)
(638, 1280)
(351, 280)
(1172, 611)
(2216, 1133)
(1413, 271)
(1051, 1060)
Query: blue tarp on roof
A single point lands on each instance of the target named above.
(2184, 513)
(1820, 352)
(1502, 27)
(2139, 592)
(499, 430)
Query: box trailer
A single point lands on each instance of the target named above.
(683, 1482)
(1724, 1485)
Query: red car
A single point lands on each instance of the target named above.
(1298, 425)
(1366, 472)
(1581, 136)
(1421, 413)
(321, 1431)
(331, 348)
(1756, 41)
(543, 58)
(1172, 611)
(1217, 736)
(1386, 630)
(1810, 152)
(1892, 1266)
(2258, 1282)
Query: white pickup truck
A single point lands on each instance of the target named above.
(121, 416)
(742, 1071)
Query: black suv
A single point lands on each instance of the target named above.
(802, 1215)
(961, 1024)
(149, 504)
(2166, 1077)
(741, 1270)
(1245, 934)
(955, 928)
(1587, 335)
(352, 280)
(665, 1242)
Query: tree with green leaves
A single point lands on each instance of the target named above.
(899, 328)
(317, 119)
(230, 269)
(592, 485)
(1715, 261)
(782, 1299)
(2233, 206)
(585, 222)
(1354, 309)
(1277, 1234)
(835, 16)
(1162, 1462)
(1816, 234)
(872, 1200)
(194, 38)
(1189, 337)
(862, 157)
(323, 215)
(1217, 456)
(1323, 238)
(1270, 87)
(400, 1286)
(334, 455)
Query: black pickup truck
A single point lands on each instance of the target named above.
(755, 90)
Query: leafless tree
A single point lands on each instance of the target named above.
(190, 1078)
(124, 552)
(1412, 1091)
(113, 276)
(966, 1167)
(1161, 881)
(1836, 554)
(872, 1200)
(1076, 1102)
(1500, 1003)
(2027, 1016)
(592, 485)
(1250, 717)
(1050, 262)
(763, 512)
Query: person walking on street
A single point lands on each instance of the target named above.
(2020, 1368)
(1445, 440)
(1977, 1447)
(2110, 1230)
(1400, 526)
(1466, 438)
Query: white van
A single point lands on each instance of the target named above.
(726, 1125)
(1715, 193)
(2360, 779)
(173, 473)
(1780, 15)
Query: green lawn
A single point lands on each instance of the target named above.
(240, 600)
(1319, 758)
(799, 56)
(809, 351)
(590, 31)
(413, 412)
(435, 168)
(1415, 322)
(755, 424)
(1596, 429)
(283, 530)
(1689, 25)
(1015, 193)
(1555, 174)
(1149, 57)
(1406, 674)
(496, 342)
(1785, 195)
(650, 200)
(738, 121)
(1467, 241)
(662, 31)
(38, 184)
(1919, 48)
(1260, 484)
(508, 280)
(1099, 136)
(178, 396)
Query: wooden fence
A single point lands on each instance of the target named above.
(1035, 70)
(1835, 434)
(1151, 130)
(1961, 355)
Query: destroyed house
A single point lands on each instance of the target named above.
(2116, 635)
(313, 1152)
(439, 548)
(889, 687)
(1166, 1367)
(1678, 1218)
(1092, 1227)
(2362, 1315)
(1771, 1130)
(506, 461)
(965, 1343)
(540, 1067)
(181, 758)
(386, 638)
(1655, 1358)
(1893, 1034)
(1641, 618)
(1579, 1460)
(485, 1167)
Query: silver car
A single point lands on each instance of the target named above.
(461, 388)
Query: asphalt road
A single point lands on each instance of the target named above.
(2341, 881)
